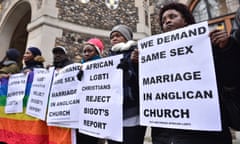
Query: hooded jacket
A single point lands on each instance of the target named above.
(36, 62)
(9, 66)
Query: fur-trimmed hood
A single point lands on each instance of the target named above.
(39, 59)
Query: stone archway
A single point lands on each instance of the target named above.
(13, 33)
(19, 37)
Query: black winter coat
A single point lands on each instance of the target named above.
(130, 83)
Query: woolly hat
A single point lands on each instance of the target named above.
(13, 54)
(35, 51)
(59, 48)
(124, 30)
(97, 43)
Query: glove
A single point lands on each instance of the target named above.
(80, 75)
(123, 64)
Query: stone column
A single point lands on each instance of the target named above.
(43, 29)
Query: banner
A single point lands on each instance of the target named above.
(177, 80)
(101, 99)
(21, 128)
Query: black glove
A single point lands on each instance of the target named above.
(123, 64)
(80, 75)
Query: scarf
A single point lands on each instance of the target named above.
(93, 58)
(123, 46)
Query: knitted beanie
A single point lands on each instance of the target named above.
(97, 43)
(35, 51)
(124, 30)
(13, 54)
(59, 48)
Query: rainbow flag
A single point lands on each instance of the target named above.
(21, 128)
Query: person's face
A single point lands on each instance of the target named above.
(89, 52)
(27, 56)
(171, 20)
(117, 37)
(59, 55)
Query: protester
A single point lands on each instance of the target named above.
(173, 16)
(92, 50)
(230, 68)
(32, 58)
(121, 38)
(9, 64)
(60, 58)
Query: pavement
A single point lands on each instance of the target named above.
(236, 141)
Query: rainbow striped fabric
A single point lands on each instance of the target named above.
(21, 128)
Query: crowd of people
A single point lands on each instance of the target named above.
(225, 47)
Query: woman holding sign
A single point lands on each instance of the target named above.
(92, 50)
(173, 16)
(121, 38)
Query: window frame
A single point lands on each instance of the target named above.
(226, 19)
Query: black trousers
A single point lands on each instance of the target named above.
(132, 135)
(174, 136)
(85, 139)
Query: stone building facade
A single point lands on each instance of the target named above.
(47, 23)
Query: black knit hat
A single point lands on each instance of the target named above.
(13, 54)
(35, 51)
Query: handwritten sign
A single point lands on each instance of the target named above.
(38, 98)
(16, 91)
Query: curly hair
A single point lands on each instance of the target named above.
(181, 8)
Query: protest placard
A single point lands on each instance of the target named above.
(16, 91)
(101, 99)
(38, 98)
(63, 108)
(177, 80)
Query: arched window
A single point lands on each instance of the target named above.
(217, 12)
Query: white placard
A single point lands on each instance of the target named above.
(177, 80)
(101, 99)
(38, 98)
(63, 109)
(16, 91)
